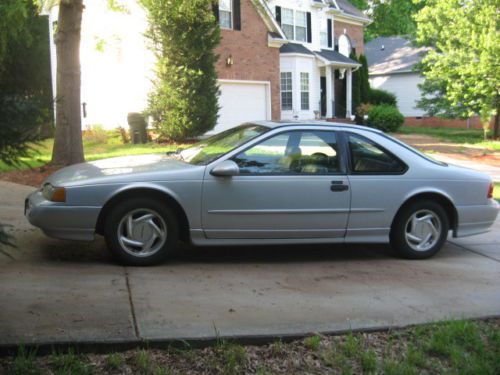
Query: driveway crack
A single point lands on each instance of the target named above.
(474, 251)
(131, 302)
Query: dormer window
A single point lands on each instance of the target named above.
(295, 24)
(226, 14)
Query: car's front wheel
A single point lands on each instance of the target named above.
(141, 232)
(420, 230)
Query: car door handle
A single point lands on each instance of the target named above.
(338, 186)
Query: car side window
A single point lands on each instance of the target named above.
(369, 158)
(295, 152)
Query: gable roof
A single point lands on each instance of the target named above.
(268, 18)
(392, 55)
(344, 8)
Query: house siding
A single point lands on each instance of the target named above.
(253, 59)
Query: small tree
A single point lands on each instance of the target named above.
(364, 82)
(356, 84)
(184, 101)
(463, 63)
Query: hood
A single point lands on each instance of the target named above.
(121, 169)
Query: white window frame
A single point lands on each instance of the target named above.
(287, 90)
(323, 34)
(230, 11)
(294, 26)
(304, 89)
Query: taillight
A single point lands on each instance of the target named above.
(490, 190)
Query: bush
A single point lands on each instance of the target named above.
(95, 135)
(385, 117)
(361, 111)
(378, 97)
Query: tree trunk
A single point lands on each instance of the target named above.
(68, 145)
(496, 126)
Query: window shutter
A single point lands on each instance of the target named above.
(329, 31)
(309, 31)
(215, 9)
(237, 14)
(278, 15)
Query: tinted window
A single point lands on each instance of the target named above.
(367, 157)
(297, 152)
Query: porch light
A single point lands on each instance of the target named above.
(229, 60)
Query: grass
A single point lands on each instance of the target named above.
(463, 137)
(450, 347)
(94, 149)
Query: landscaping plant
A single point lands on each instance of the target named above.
(184, 100)
(385, 117)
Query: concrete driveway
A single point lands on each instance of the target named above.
(56, 291)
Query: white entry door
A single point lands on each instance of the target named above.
(241, 102)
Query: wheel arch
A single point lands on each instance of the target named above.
(435, 196)
(146, 191)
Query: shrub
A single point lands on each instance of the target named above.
(361, 111)
(95, 134)
(378, 97)
(385, 117)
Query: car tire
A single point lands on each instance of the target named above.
(141, 232)
(419, 230)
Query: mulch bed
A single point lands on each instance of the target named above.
(29, 176)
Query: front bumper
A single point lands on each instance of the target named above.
(476, 219)
(59, 220)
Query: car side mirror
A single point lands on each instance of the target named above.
(227, 168)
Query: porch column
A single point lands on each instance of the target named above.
(348, 98)
(329, 91)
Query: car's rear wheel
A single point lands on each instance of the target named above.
(141, 232)
(420, 230)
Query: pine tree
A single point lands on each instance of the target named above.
(364, 82)
(184, 101)
(356, 85)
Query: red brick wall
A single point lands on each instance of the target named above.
(253, 59)
(436, 122)
(354, 32)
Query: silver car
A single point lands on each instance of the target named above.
(267, 183)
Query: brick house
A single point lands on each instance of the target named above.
(279, 59)
(287, 59)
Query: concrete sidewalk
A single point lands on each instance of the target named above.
(57, 291)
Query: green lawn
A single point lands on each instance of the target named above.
(93, 151)
(462, 137)
(496, 192)
(453, 347)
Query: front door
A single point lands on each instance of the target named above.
(323, 96)
(291, 185)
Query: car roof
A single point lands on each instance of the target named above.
(299, 123)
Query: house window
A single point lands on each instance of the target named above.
(304, 91)
(323, 36)
(286, 91)
(301, 26)
(294, 24)
(225, 14)
(287, 23)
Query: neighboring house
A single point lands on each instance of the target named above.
(279, 59)
(392, 63)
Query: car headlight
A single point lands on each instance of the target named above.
(54, 193)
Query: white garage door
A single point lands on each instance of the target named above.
(242, 102)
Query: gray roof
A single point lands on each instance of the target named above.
(350, 9)
(335, 56)
(330, 55)
(295, 48)
(390, 55)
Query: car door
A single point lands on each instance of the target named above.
(377, 185)
(290, 185)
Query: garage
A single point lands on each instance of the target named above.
(242, 101)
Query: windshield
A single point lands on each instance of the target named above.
(208, 150)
